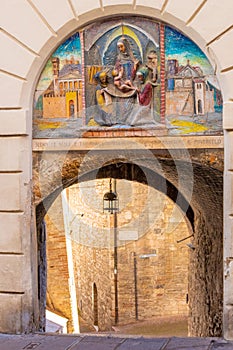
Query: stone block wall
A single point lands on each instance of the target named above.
(94, 266)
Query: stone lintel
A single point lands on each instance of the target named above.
(163, 142)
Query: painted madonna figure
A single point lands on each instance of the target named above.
(126, 64)
(119, 98)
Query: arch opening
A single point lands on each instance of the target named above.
(204, 235)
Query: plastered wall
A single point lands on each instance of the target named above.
(31, 30)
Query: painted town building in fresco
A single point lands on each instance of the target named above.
(63, 98)
(188, 92)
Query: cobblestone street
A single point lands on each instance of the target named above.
(87, 342)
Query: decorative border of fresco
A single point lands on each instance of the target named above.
(130, 75)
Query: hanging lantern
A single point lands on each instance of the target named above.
(110, 201)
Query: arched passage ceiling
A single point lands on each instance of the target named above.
(198, 184)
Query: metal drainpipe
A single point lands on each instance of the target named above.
(135, 285)
(115, 261)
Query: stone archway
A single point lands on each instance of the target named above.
(18, 79)
(203, 212)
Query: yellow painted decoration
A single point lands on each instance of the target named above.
(121, 31)
(92, 122)
(71, 96)
(43, 125)
(188, 127)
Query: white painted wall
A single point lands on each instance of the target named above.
(31, 31)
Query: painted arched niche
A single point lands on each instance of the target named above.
(127, 73)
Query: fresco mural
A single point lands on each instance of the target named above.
(127, 73)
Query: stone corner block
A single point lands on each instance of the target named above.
(228, 115)
(11, 311)
(12, 273)
(14, 153)
(11, 192)
(14, 122)
(11, 228)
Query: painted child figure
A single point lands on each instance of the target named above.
(122, 85)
